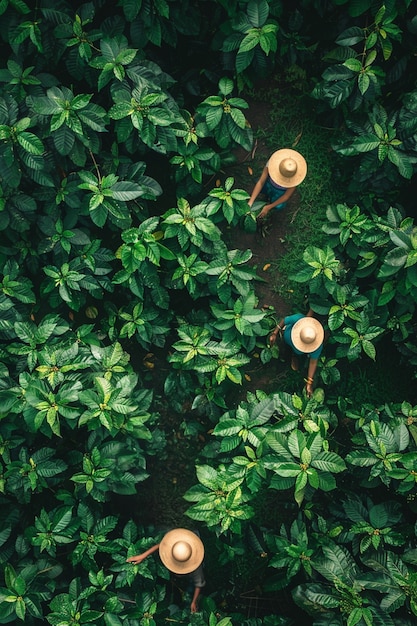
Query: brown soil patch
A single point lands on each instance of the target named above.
(268, 243)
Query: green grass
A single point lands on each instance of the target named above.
(385, 380)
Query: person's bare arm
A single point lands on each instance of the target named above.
(141, 557)
(284, 198)
(196, 594)
(258, 187)
(277, 330)
(312, 366)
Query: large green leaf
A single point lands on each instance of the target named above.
(351, 36)
(207, 476)
(361, 458)
(329, 462)
(30, 142)
(296, 443)
(64, 140)
(364, 143)
(287, 470)
(258, 11)
(337, 564)
(126, 190)
(227, 428)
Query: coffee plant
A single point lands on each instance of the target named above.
(124, 310)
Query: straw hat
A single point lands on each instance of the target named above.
(287, 167)
(307, 334)
(181, 551)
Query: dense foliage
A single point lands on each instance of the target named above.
(116, 126)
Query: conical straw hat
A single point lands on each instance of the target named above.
(307, 334)
(181, 551)
(287, 167)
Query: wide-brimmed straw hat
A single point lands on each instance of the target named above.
(307, 334)
(287, 167)
(181, 551)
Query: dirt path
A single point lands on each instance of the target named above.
(268, 243)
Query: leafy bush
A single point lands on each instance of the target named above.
(109, 146)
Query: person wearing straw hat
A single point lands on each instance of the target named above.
(284, 171)
(305, 335)
(182, 553)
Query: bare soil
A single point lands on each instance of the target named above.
(267, 244)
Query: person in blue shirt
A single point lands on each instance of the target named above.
(182, 552)
(305, 335)
(284, 171)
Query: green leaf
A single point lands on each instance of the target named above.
(402, 162)
(207, 476)
(227, 427)
(226, 86)
(365, 143)
(369, 349)
(258, 11)
(20, 608)
(296, 443)
(300, 485)
(287, 470)
(350, 36)
(355, 616)
(19, 585)
(329, 462)
(64, 140)
(30, 142)
(125, 190)
(243, 60)
(214, 116)
(361, 458)
(353, 64)
(363, 83)
(249, 43)
(99, 214)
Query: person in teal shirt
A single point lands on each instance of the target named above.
(182, 552)
(283, 172)
(305, 335)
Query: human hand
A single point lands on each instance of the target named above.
(309, 389)
(273, 336)
(193, 606)
(262, 214)
(135, 559)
